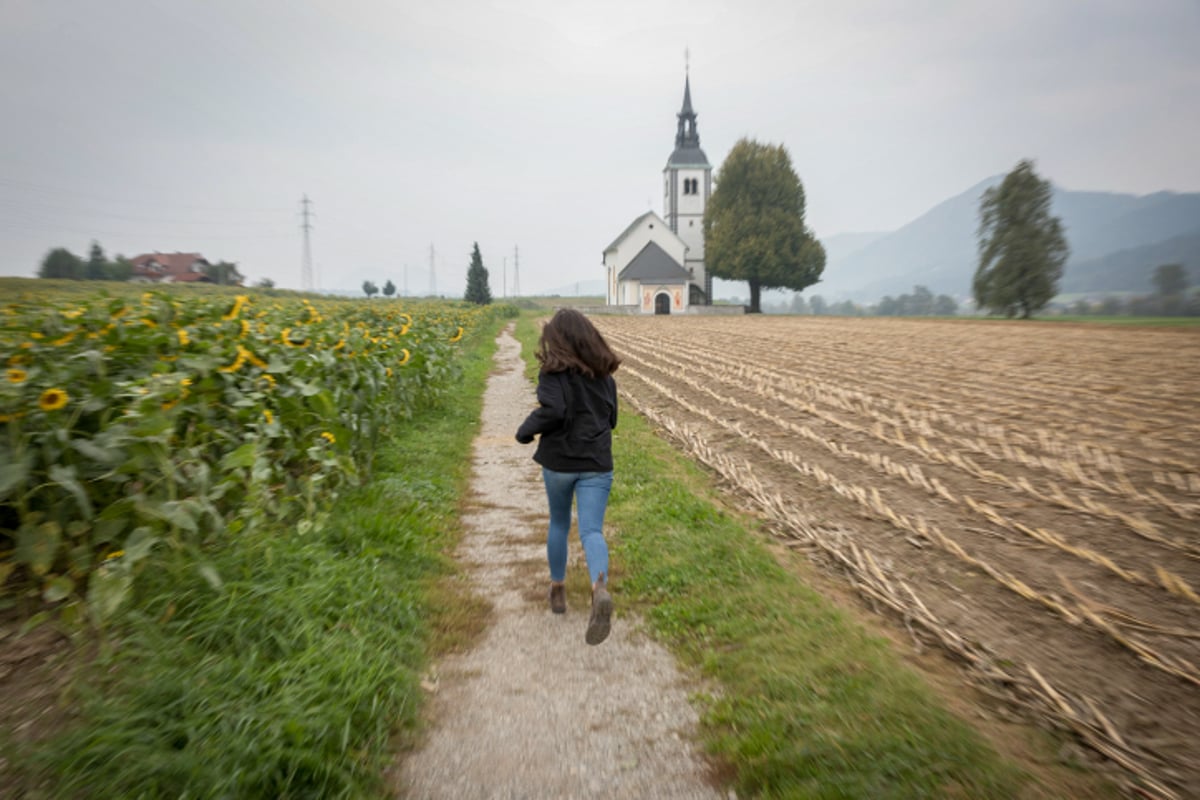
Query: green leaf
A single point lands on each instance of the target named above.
(210, 574)
(240, 458)
(65, 477)
(59, 588)
(139, 544)
(107, 589)
(89, 449)
(37, 546)
(323, 404)
(13, 475)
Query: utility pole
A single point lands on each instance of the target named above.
(306, 269)
(432, 274)
(516, 272)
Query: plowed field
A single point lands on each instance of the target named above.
(1027, 495)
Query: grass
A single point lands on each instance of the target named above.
(807, 703)
(1159, 322)
(301, 676)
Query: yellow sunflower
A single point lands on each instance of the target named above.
(53, 399)
(17, 375)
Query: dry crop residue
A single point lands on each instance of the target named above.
(1028, 495)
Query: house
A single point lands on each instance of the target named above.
(170, 268)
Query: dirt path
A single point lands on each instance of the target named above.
(532, 711)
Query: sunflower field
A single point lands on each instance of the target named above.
(174, 419)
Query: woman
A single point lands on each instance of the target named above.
(576, 414)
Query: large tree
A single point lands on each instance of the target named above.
(224, 273)
(62, 263)
(1022, 248)
(754, 227)
(96, 268)
(477, 280)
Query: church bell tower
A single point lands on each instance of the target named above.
(687, 184)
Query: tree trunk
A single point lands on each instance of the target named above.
(755, 293)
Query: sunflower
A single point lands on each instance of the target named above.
(183, 337)
(238, 302)
(16, 375)
(53, 399)
(407, 356)
(329, 437)
(456, 337)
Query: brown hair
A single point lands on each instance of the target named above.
(570, 341)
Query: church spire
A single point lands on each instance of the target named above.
(686, 135)
(687, 97)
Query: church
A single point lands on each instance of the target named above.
(656, 265)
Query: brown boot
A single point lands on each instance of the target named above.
(558, 598)
(601, 619)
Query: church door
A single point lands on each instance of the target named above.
(662, 304)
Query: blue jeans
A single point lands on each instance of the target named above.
(590, 492)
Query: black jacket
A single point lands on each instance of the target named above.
(575, 417)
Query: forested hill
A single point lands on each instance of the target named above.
(1117, 240)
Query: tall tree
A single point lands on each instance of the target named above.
(754, 227)
(96, 268)
(477, 280)
(62, 263)
(119, 269)
(224, 273)
(389, 288)
(1022, 248)
(370, 289)
(1171, 281)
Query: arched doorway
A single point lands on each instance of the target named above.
(662, 303)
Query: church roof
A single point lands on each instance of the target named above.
(653, 263)
(688, 157)
(664, 227)
(687, 151)
(628, 230)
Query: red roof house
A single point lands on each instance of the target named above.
(170, 268)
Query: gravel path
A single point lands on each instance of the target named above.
(532, 711)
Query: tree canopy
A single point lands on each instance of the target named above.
(477, 280)
(1022, 248)
(62, 263)
(754, 227)
(224, 273)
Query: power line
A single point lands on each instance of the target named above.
(306, 271)
(432, 273)
(516, 272)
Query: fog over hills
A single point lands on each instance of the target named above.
(1116, 240)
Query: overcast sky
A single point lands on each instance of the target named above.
(199, 125)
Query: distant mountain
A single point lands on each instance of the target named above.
(1116, 240)
(841, 245)
(1132, 270)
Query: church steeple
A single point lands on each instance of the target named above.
(686, 135)
(687, 184)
